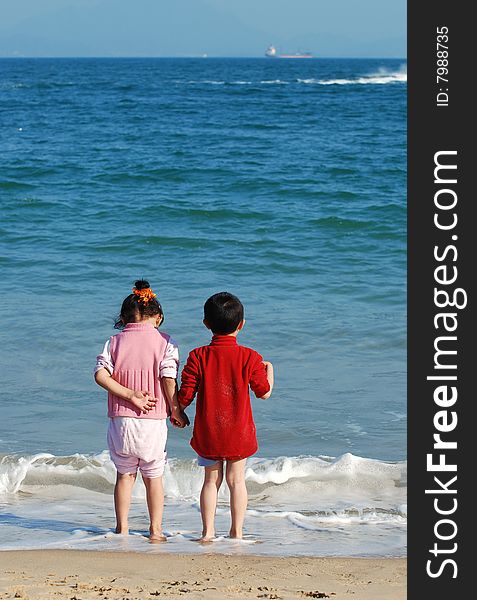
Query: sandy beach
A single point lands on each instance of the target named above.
(84, 575)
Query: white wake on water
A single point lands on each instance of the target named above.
(382, 76)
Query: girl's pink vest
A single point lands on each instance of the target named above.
(137, 353)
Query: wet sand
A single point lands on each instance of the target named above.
(84, 575)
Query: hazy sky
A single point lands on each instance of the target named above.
(333, 28)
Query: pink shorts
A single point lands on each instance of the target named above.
(138, 444)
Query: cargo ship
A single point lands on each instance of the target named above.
(271, 52)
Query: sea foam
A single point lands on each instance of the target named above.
(67, 501)
(303, 480)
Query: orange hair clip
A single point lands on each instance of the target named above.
(144, 295)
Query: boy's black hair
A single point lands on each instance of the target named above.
(133, 307)
(223, 313)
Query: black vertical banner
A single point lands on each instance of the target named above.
(441, 276)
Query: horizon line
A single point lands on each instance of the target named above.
(199, 56)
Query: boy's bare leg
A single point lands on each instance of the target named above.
(208, 499)
(122, 500)
(155, 506)
(235, 477)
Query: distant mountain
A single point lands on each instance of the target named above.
(116, 27)
(174, 28)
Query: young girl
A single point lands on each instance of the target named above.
(138, 367)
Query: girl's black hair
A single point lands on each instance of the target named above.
(133, 307)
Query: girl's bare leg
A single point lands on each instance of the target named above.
(208, 499)
(122, 500)
(235, 477)
(155, 506)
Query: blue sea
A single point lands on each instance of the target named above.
(282, 181)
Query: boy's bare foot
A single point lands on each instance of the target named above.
(236, 535)
(122, 530)
(157, 538)
(205, 539)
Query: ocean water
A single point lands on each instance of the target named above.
(280, 181)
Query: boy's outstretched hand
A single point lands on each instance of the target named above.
(142, 400)
(178, 418)
(270, 377)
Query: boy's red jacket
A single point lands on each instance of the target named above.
(220, 375)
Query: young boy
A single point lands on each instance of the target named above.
(220, 375)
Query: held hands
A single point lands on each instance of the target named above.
(143, 401)
(178, 417)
